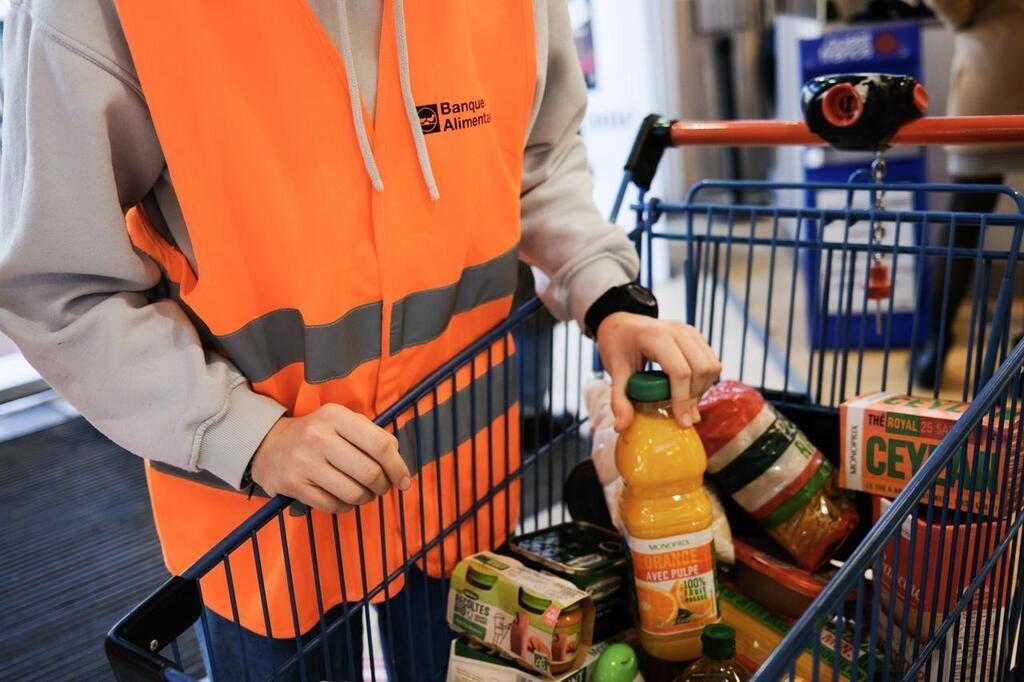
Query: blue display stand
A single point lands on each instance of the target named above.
(894, 49)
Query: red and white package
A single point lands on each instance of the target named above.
(770, 469)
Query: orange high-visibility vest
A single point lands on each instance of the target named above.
(321, 289)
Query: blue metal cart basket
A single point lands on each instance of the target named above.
(739, 281)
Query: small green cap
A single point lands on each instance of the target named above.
(648, 387)
(617, 663)
(718, 641)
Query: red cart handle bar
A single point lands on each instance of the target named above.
(658, 133)
(933, 130)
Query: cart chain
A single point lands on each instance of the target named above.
(879, 286)
(878, 229)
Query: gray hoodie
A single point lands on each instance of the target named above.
(79, 149)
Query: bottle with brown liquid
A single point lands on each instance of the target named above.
(718, 661)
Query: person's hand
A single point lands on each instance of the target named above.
(627, 340)
(332, 459)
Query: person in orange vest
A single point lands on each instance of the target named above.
(232, 233)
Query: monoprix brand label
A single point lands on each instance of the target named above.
(675, 582)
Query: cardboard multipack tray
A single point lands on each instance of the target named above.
(886, 438)
(945, 558)
(469, 662)
(498, 602)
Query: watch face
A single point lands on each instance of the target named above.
(642, 295)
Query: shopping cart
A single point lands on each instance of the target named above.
(780, 291)
(856, 629)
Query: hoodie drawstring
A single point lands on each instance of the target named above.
(410, 105)
(356, 103)
(369, 162)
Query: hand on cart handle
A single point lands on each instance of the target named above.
(332, 459)
(626, 341)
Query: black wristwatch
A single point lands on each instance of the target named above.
(628, 298)
(248, 485)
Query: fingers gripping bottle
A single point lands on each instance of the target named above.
(668, 519)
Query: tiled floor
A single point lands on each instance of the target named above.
(77, 551)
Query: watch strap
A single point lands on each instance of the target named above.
(628, 298)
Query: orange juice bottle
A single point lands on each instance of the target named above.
(668, 522)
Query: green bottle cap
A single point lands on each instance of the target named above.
(718, 641)
(648, 387)
(616, 664)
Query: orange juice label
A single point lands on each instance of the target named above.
(675, 582)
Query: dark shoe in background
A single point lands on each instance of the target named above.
(928, 359)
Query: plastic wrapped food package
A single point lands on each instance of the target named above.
(770, 469)
(781, 587)
(724, 550)
(597, 397)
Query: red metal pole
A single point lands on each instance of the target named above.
(924, 131)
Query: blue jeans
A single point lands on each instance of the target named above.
(415, 641)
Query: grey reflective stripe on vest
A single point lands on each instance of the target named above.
(424, 315)
(429, 435)
(432, 434)
(201, 477)
(271, 342)
(279, 338)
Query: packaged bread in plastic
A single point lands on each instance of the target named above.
(769, 468)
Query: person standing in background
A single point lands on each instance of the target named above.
(987, 78)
